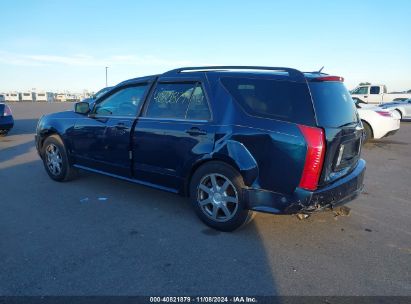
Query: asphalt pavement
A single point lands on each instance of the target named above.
(100, 236)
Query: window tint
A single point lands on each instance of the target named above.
(198, 107)
(283, 100)
(178, 100)
(125, 102)
(375, 90)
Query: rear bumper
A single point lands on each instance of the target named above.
(6, 122)
(337, 193)
(386, 127)
(391, 133)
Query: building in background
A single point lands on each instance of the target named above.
(12, 97)
(26, 96)
(44, 96)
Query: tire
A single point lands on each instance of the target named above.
(3, 133)
(399, 112)
(55, 159)
(368, 131)
(216, 196)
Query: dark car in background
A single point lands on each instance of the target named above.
(233, 139)
(6, 119)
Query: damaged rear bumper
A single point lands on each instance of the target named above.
(332, 195)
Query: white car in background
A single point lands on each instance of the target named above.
(400, 107)
(377, 122)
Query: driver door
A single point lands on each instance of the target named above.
(101, 141)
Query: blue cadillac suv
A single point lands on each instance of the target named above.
(234, 139)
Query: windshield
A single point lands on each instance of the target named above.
(333, 104)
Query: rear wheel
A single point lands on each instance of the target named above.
(368, 131)
(216, 195)
(55, 159)
(399, 113)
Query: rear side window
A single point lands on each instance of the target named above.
(179, 101)
(282, 100)
(333, 104)
(375, 90)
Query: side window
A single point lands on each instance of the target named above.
(375, 90)
(362, 90)
(125, 102)
(178, 100)
(198, 108)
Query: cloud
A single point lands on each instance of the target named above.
(82, 60)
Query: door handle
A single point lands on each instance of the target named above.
(196, 131)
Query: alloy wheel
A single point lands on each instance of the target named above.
(54, 160)
(217, 197)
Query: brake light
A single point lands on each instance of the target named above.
(384, 113)
(314, 158)
(7, 110)
(329, 78)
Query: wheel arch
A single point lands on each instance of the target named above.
(234, 154)
(44, 134)
(400, 110)
(363, 121)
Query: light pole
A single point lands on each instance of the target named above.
(106, 76)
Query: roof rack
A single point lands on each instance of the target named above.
(293, 73)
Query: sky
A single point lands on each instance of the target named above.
(66, 45)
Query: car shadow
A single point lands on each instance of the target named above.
(102, 236)
(24, 126)
(9, 151)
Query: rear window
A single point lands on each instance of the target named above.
(333, 104)
(278, 99)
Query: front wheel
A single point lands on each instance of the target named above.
(3, 133)
(55, 159)
(216, 195)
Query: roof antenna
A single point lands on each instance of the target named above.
(321, 69)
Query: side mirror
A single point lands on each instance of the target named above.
(82, 107)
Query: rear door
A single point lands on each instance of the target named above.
(337, 115)
(173, 132)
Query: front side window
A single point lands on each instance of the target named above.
(375, 90)
(178, 101)
(126, 102)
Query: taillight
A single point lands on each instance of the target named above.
(314, 158)
(329, 78)
(384, 113)
(7, 110)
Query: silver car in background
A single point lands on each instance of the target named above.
(402, 107)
